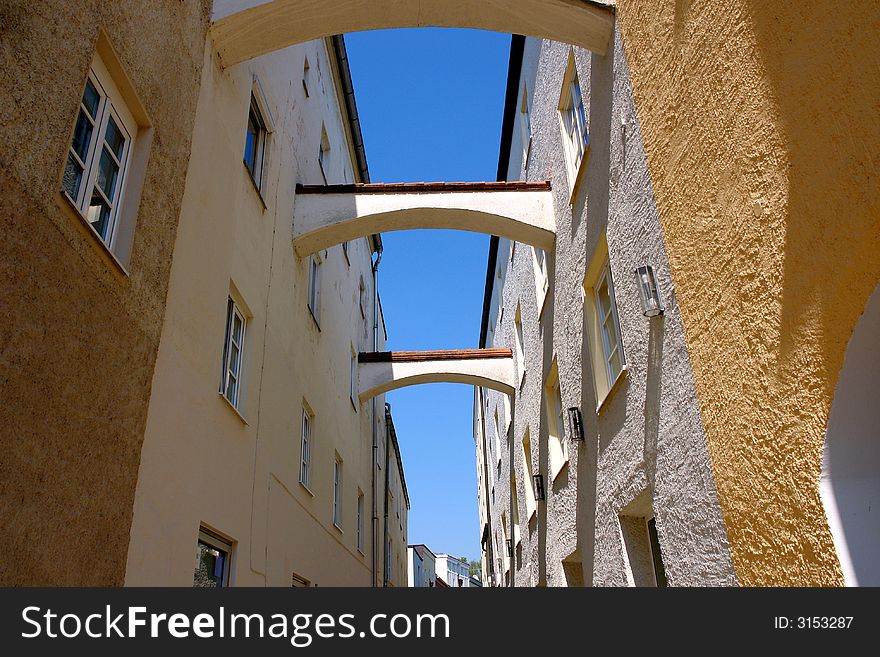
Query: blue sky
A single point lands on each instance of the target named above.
(430, 103)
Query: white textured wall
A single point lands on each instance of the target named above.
(649, 434)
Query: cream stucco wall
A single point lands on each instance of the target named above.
(328, 219)
(247, 28)
(397, 517)
(202, 461)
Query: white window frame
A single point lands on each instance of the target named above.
(306, 76)
(323, 154)
(542, 276)
(519, 345)
(525, 125)
(497, 437)
(603, 315)
(605, 378)
(337, 492)
(220, 544)
(233, 365)
(110, 106)
(558, 444)
(305, 448)
(353, 382)
(574, 123)
(514, 503)
(256, 169)
(528, 472)
(314, 291)
(655, 551)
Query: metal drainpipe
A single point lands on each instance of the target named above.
(375, 523)
(385, 563)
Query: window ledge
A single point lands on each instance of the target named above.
(307, 489)
(555, 475)
(256, 186)
(579, 177)
(612, 389)
(105, 251)
(234, 409)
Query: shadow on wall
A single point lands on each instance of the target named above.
(821, 62)
(829, 109)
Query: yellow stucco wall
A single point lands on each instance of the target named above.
(761, 121)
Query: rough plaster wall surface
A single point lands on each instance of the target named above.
(654, 439)
(762, 133)
(78, 339)
(648, 435)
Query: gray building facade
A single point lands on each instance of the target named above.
(633, 502)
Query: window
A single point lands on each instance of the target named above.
(514, 502)
(497, 438)
(323, 154)
(528, 484)
(306, 76)
(542, 278)
(353, 379)
(602, 326)
(574, 121)
(255, 143)
(213, 560)
(641, 543)
(519, 351)
(337, 492)
(609, 327)
(360, 522)
(504, 547)
(314, 300)
(305, 464)
(656, 556)
(558, 447)
(99, 154)
(525, 125)
(233, 352)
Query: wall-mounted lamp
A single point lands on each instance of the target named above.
(539, 487)
(510, 547)
(575, 424)
(649, 293)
